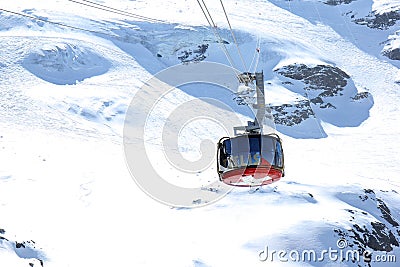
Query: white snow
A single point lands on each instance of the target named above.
(382, 6)
(64, 182)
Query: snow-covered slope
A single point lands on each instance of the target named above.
(332, 83)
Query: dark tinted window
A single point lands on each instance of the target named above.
(247, 150)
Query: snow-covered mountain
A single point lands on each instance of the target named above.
(67, 81)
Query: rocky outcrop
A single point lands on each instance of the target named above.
(327, 79)
(392, 54)
(194, 55)
(292, 114)
(379, 21)
(24, 249)
(360, 96)
(329, 93)
(392, 46)
(374, 229)
(338, 2)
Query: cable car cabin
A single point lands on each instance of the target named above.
(250, 160)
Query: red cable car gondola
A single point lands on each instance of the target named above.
(251, 158)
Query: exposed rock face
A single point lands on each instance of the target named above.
(360, 96)
(391, 49)
(25, 250)
(327, 79)
(392, 54)
(379, 21)
(381, 234)
(338, 2)
(382, 21)
(194, 55)
(330, 95)
(292, 114)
